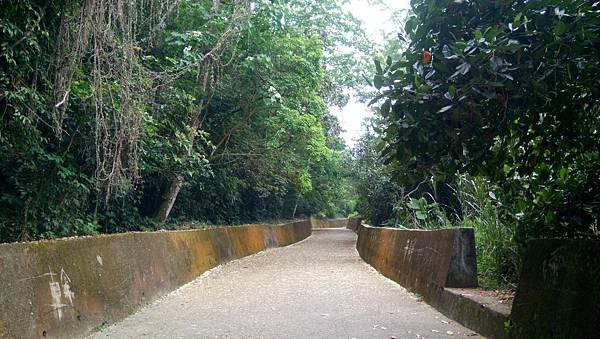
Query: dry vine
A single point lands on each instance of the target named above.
(105, 36)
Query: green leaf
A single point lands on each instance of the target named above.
(517, 20)
(385, 108)
(378, 81)
(378, 67)
(413, 204)
(411, 24)
(563, 173)
(397, 65)
(452, 91)
(560, 28)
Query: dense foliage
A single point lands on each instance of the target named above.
(376, 192)
(504, 95)
(116, 115)
(504, 90)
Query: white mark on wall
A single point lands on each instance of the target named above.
(66, 287)
(552, 266)
(56, 294)
(409, 248)
(406, 247)
(61, 293)
(99, 259)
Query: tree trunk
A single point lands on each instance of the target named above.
(205, 80)
(295, 208)
(169, 197)
(171, 192)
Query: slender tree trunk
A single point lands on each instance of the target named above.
(170, 194)
(169, 197)
(295, 208)
(205, 80)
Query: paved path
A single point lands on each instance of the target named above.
(318, 288)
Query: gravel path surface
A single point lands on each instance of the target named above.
(318, 288)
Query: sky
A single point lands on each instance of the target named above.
(375, 19)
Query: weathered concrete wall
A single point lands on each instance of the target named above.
(66, 288)
(428, 263)
(482, 316)
(417, 258)
(354, 224)
(328, 223)
(559, 290)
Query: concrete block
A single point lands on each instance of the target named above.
(463, 264)
(559, 290)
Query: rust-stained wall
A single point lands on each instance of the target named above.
(417, 258)
(426, 262)
(328, 223)
(66, 288)
(354, 224)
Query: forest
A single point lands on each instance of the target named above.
(144, 115)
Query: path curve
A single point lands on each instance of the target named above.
(318, 288)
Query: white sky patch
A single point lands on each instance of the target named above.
(377, 22)
(351, 118)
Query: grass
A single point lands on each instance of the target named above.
(498, 256)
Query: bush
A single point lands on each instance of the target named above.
(498, 254)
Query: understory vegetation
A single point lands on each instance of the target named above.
(156, 114)
(134, 115)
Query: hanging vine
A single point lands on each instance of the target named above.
(103, 38)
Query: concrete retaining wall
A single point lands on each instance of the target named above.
(559, 290)
(428, 263)
(416, 258)
(66, 288)
(328, 223)
(354, 224)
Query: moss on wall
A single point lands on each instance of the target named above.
(66, 288)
